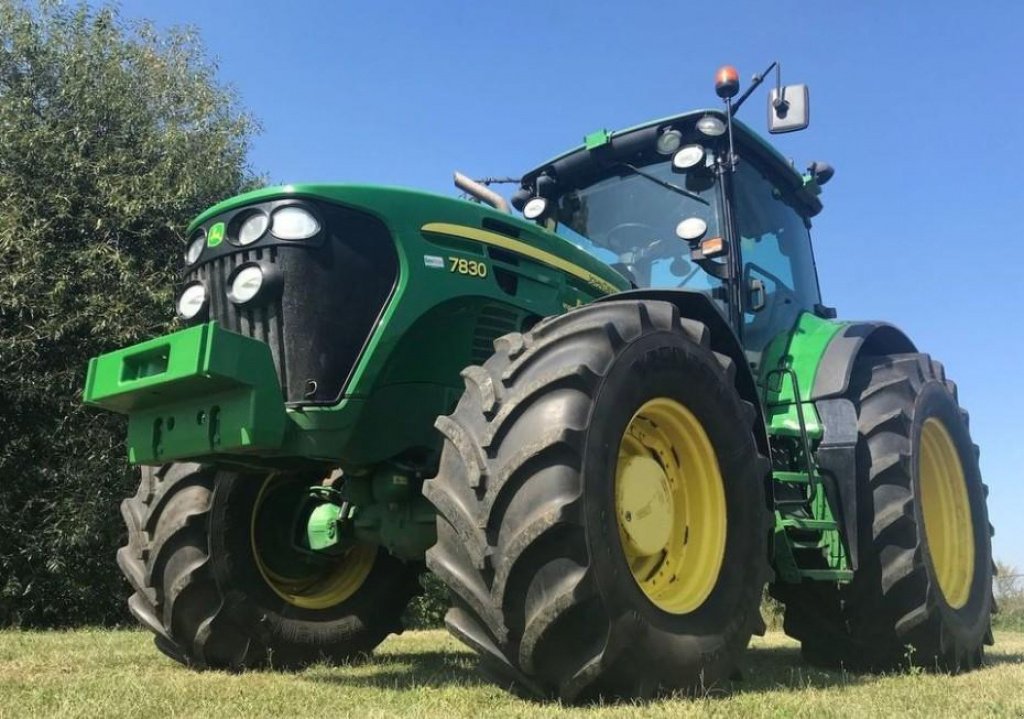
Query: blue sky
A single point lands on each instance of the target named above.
(916, 104)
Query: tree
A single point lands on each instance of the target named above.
(112, 137)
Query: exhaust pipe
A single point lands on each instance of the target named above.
(481, 192)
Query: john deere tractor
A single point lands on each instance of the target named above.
(605, 422)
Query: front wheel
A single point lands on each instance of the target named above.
(602, 523)
(220, 582)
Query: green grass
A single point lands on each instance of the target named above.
(95, 673)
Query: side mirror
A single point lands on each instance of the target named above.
(789, 109)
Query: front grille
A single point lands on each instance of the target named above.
(329, 293)
(264, 322)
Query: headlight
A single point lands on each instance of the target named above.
(669, 141)
(688, 157)
(253, 228)
(192, 301)
(293, 223)
(246, 284)
(195, 247)
(711, 126)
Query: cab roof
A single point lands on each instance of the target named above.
(582, 161)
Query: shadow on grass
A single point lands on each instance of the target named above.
(994, 660)
(408, 670)
(765, 669)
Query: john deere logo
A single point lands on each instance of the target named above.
(216, 235)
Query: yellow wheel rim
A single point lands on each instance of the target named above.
(948, 528)
(309, 587)
(670, 506)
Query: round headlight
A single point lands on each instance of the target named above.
(293, 223)
(253, 228)
(691, 229)
(669, 141)
(711, 126)
(246, 284)
(535, 208)
(688, 157)
(195, 247)
(192, 301)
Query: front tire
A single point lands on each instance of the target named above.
(216, 583)
(552, 582)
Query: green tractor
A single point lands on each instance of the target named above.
(606, 424)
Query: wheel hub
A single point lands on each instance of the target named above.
(302, 581)
(670, 506)
(645, 505)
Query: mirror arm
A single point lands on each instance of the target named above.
(756, 83)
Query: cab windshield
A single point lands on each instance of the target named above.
(629, 221)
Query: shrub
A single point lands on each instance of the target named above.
(112, 136)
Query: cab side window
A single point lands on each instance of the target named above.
(778, 267)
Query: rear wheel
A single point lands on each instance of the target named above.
(602, 523)
(922, 594)
(219, 581)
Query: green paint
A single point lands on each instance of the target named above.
(198, 392)
(426, 336)
(215, 235)
(322, 527)
(597, 139)
(801, 350)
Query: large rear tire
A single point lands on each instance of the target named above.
(218, 585)
(602, 521)
(923, 592)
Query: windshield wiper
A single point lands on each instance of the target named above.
(666, 185)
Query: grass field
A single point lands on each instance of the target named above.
(94, 673)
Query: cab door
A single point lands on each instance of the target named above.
(779, 280)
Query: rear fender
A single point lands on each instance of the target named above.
(837, 453)
(836, 366)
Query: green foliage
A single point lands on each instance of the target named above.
(1008, 587)
(112, 136)
(427, 610)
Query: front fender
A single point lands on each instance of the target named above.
(698, 306)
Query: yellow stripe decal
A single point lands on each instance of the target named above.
(507, 243)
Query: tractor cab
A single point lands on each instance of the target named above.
(697, 202)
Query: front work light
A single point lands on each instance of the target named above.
(687, 157)
(293, 223)
(192, 301)
(536, 207)
(669, 141)
(246, 284)
(711, 126)
(195, 247)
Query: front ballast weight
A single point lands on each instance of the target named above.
(199, 392)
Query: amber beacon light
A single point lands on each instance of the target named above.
(727, 82)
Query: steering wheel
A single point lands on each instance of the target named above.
(628, 236)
